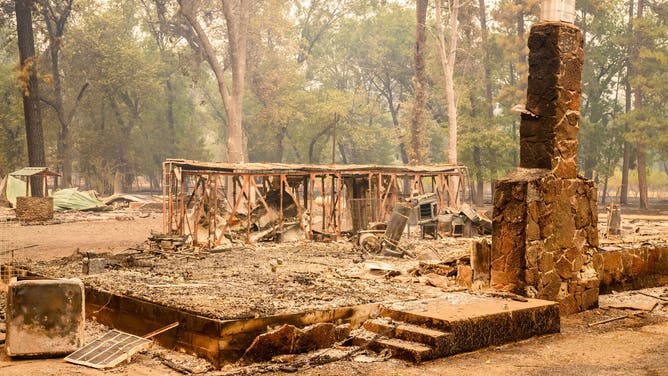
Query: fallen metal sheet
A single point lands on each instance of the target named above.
(109, 350)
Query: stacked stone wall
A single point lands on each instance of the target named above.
(509, 232)
(627, 269)
(34, 209)
(545, 237)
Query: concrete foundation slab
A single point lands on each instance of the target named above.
(45, 317)
(218, 341)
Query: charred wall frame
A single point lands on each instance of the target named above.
(212, 195)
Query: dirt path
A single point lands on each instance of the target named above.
(100, 233)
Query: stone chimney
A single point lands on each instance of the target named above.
(545, 219)
(549, 127)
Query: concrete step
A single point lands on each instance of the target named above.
(407, 350)
(408, 332)
(416, 319)
(478, 321)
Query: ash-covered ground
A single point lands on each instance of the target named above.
(269, 279)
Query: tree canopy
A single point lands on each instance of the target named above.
(126, 84)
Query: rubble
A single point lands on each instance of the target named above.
(288, 339)
(182, 363)
(134, 202)
(93, 265)
(246, 282)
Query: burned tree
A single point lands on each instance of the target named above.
(30, 89)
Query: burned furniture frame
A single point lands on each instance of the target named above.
(329, 199)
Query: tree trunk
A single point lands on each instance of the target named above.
(626, 160)
(55, 21)
(397, 128)
(342, 151)
(489, 105)
(522, 57)
(394, 111)
(336, 120)
(62, 149)
(311, 147)
(448, 65)
(491, 184)
(66, 156)
(235, 147)
(119, 182)
(478, 197)
(419, 85)
(171, 123)
(640, 147)
(642, 176)
(237, 35)
(280, 135)
(31, 108)
(605, 190)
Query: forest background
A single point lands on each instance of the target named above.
(125, 84)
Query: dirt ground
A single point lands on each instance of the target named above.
(637, 345)
(96, 232)
(633, 346)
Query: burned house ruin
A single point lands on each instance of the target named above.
(212, 203)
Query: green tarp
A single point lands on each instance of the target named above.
(15, 188)
(64, 199)
(72, 199)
